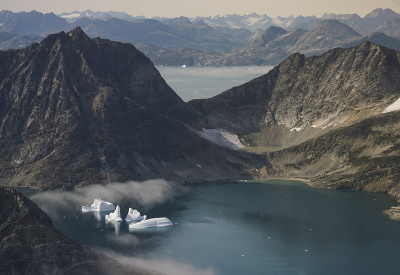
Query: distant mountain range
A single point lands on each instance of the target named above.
(206, 41)
(273, 46)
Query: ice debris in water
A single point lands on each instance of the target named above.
(114, 216)
(133, 215)
(99, 205)
(155, 222)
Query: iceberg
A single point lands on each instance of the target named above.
(155, 222)
(114, 216)
(133, 215)
(99, 205)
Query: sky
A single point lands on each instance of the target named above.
(193, 8)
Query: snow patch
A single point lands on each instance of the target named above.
(222, 138)
(70, 16)
(393, 107)
(296, 129)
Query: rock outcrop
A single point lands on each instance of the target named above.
(30, 245)
(75, 110)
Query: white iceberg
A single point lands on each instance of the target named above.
(155, 222)
(114, 216)
(133, 215)
(99, 205)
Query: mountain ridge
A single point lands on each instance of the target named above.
(102, 112)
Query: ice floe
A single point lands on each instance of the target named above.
(151, 223)
(114, 216)
(99, 205)
(133, 215)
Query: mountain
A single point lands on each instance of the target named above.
(13, 41)
(30, 245)
(391, 27)
(75, 110)
(268, 36)
(31, 22)
(380, 39)
(321, 118)
(298, 94)
(179, 57)
(325, 35)
(380, 16)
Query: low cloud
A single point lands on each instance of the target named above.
(164, 266)
(144, 194)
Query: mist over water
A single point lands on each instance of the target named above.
(270, 227)
(205, 82)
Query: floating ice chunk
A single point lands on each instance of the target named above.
(155, 222)
(114, 216)
(133, 215)
(99, 205)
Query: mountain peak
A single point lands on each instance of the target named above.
(78, 34)
(334, 28)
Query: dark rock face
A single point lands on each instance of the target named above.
(75, 110)
(30, 245)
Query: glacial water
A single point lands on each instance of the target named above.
(204, 82)
(270, 227)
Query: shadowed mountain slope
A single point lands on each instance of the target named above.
(75, 110)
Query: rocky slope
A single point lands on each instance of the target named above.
(321, 118)
(75, 110)
(30, 245)
(305, 96)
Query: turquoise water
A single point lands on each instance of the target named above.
(274, 227)
(204, 82)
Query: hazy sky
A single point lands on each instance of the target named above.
(192, 8)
